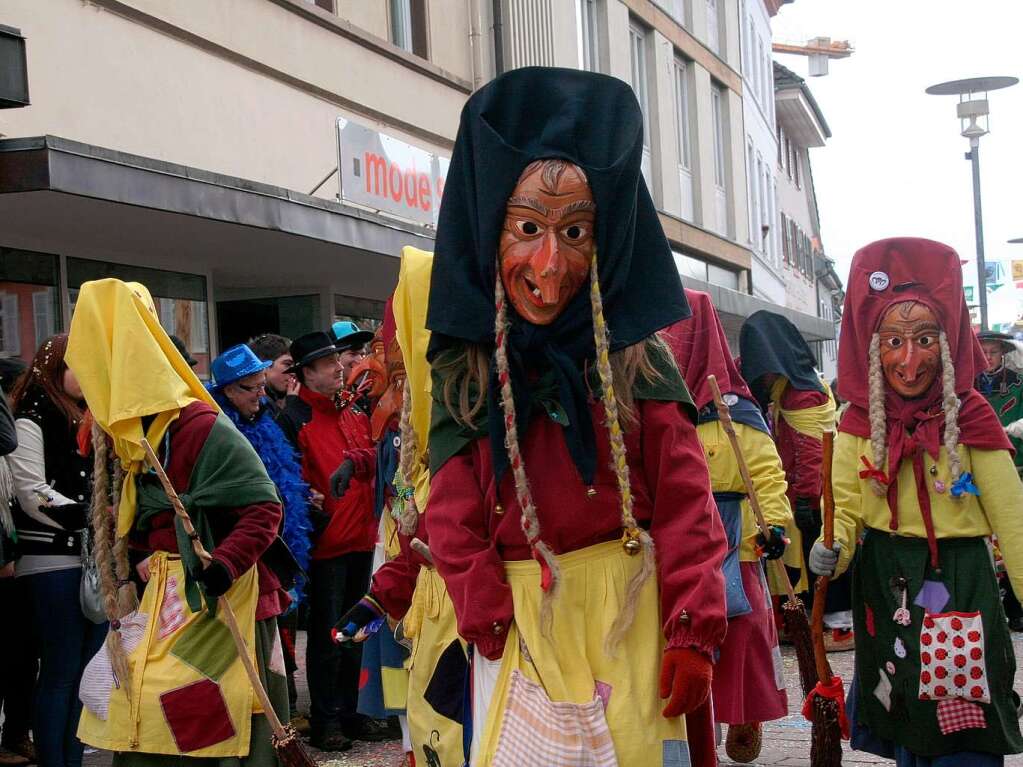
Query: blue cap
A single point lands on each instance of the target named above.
(234, 364)
(347, 335)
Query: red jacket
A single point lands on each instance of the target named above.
(801, 455)
(324, 437)
(469, 540)
(242, 534)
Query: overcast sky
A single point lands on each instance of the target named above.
(894, 165)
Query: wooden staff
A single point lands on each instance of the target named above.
(793, 611)
(285, 740)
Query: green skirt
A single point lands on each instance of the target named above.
(261, 751)
(942, 683)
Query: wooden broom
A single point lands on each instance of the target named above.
(286, 742)
(825, 712)
(793, 611)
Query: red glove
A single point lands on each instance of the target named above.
(685, 680)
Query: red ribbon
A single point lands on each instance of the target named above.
(546, 576)
(835, 692)
(872, 472)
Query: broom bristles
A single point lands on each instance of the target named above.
(290, 750)
(826, 740)
(798, 628)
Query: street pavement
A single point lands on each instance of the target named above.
(786, 741)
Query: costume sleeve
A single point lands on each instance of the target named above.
(767, 475)
(686, 529)
(1001, 497)
(466, 556)
(395, 581)
(846, 486)
(365, 462)
(252, 534)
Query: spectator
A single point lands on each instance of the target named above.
(51, 482)
(280, 380)
(239, 383)
(332, 434)
(180, 346)
(350, 342)
(11, 369)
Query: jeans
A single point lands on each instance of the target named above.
(19, 662)
(67, 642)
(332, 670)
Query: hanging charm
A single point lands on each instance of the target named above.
(631, 542)
(902, 616)
(939, 486)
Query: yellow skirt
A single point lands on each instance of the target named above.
(571, 664)
(436, 739)
(189, 694)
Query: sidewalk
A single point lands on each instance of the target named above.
(786, 741)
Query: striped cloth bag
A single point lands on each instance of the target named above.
(538, 731)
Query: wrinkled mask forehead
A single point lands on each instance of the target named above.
(909, 334)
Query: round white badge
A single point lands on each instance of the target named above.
(878, 280)
(731, 400)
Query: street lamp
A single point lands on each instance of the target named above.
(972, 107)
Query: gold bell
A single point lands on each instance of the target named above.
(499, 509)
(631, 542)
(591, 492)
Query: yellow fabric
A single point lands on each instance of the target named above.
(764, 468)
(135, 721)
(128, 368)
(812, 421)
(411, 300)
(389, 537)
(997, 510)
(593, 587)
(435, 630)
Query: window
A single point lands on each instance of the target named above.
(675, 8)
(750, 165)
(409, 25)
(689, 267)
(717, 96)
(327, 5)
(758, 78)
(795, 166)
(180, 300)
(29, 313)
(637, 56)
(726, 278)
(758, 238)
(713, 31)
(682, 113)
(589, 49)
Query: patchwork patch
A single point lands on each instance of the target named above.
(197, 716)
(172, 611)
(206, 645)
(276, 664)
(394, 685)
(675, 753)
(883, 691)
(446, 690)
(933, 597)
(98, 679)
(956, 715)
(603, 691)
(952, 663)
(869, 619)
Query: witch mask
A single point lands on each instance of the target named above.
(388, 409)
(547, 241)
(910, 349)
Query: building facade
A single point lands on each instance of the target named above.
(196, 147)
(811, 285)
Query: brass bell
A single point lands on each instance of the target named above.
(632, 546)
(591, 492)
(499, 509)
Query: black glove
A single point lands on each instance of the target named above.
(319, 520)
(364, 612)
(342, 477)
(775, 546)
(807, 514)
(70, 516)
(216, 579)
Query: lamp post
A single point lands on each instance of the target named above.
(973, 106)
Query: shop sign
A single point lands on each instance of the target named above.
(1017, 271)
(386, 174)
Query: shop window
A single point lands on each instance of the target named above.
(689, 267)
(180, 300)
(29, 312)
(726, 278)
(589, 39)
(409, 26)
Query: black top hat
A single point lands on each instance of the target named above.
(992, 335)
(309, 348)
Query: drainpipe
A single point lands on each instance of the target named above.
(472, 8)
(498, 10)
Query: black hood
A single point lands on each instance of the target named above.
(770, 343)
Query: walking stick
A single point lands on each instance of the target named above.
(285, 740)
(793, 611)
(825, 705)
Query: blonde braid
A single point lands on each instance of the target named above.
(950, 404)
(103, 552)
(409, 519)
(878, 422)
(530, 524)
(619, 464)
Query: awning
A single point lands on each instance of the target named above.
(58, 195)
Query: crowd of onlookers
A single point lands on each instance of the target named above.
(312, 433)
